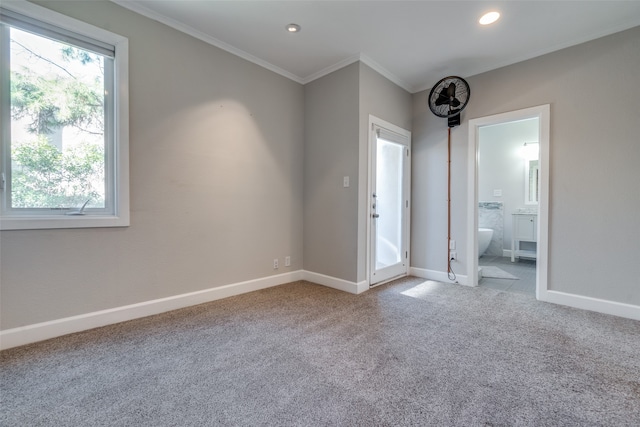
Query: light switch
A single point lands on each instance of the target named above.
(497, 193)
(345, 181)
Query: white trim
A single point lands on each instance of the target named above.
(542, 257)
(176, 25)
(144, 11)
(41, 331)
(472, 204)
(633, 22)
(386, 73)
(613, 308)
(330, 69)
(372, 141)
(543, 113)
(593, 304)
(55, 328)
(120, 217)
(59, 20)
(365, 60)
(438, 276)
(335, 283)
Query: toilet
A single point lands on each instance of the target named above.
(484, 238)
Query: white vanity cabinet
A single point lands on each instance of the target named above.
(525, 229)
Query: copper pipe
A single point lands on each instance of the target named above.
(448, 198)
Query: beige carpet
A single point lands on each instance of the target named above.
(407, 353)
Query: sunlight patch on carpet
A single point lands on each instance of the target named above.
(422, 290)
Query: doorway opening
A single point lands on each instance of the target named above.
(505, 155)
(508, 201)
(388, 219)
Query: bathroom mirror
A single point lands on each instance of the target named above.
(531, 174)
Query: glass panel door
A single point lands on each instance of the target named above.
(389, 207)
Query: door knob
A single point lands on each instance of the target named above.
(375, 215)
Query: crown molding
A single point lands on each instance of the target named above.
(141, 10)
(386, 73)
(632, 23)
(176, 25)
(330, 69)
(365, 60)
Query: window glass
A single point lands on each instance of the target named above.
(64, 134)
(57, 142)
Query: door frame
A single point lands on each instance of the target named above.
(375, 121)
(543, 113)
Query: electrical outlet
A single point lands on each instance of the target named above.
(275, 264)
(453, 255)
(287, 261)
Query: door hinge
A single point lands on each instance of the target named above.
(2, 181)
(406, 254)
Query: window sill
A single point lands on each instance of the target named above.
(58, 221)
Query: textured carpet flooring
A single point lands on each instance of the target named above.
(407, 353)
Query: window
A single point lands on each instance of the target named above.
(64, 116)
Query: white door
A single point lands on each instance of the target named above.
(389, 201)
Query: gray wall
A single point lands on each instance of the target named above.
(331, 153)
(387, 101)
(337, 109)
(594, 192)
(216, 150)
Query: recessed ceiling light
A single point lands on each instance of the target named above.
(489, 18)
(293, 28)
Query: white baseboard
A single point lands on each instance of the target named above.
(55, 328)
(592, 304)
(506, 253)
(333, 282)
(438, 276)
(42, 331)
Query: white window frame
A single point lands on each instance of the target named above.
(119, 217)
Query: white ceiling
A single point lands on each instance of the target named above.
(413, 43)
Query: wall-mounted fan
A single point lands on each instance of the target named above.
(448, 98)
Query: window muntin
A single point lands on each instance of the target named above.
(65, 122)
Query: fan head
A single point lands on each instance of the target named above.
(449, 97)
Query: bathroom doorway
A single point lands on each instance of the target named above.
(504, 152)
(508, 194)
